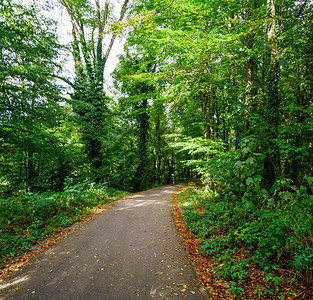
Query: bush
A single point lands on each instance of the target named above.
(275, 232)
(26, 218)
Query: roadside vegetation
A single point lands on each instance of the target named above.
(261, 251)
(30, 217)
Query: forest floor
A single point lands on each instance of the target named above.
(130, 251)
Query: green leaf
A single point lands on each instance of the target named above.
(249, 181)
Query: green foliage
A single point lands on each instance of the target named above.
(214, 244)
(217, 89)
(272, 236)
(134, 108)
(92, 32)
(221, 78)
(235, 271)
(36, 152)
(142, 113)
(29, 51)
(30, 217)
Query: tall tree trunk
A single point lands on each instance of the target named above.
(207, 108)
(250, 66)
(272, 160)
(90, 100)
(143, 120)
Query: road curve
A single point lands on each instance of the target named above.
(130, 251)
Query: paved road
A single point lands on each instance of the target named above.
(130, 251)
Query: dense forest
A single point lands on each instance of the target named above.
(220, 90)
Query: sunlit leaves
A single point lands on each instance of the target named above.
(33, 156)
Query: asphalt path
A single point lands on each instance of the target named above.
(130, 251)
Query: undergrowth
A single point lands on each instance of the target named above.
(262, 251)
(27, 218)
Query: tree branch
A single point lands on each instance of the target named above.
(64, 79)
(122, 13)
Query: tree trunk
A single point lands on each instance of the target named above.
(207, 108)
(90, 101)
(272, 160)
(143, 121)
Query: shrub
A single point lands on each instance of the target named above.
(26, 218)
